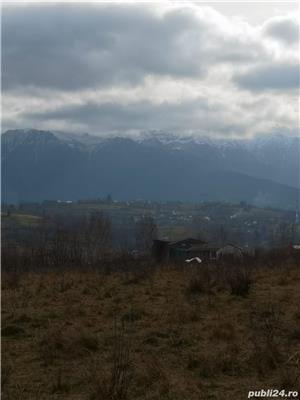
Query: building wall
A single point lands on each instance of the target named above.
(229, 251)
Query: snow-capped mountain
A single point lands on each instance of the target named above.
(39, 165)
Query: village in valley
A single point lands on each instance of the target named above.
(170, 230)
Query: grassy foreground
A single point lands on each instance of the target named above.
(170, 333)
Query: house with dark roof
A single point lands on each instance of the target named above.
(166, 251)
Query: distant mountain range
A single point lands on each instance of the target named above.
(39, 165)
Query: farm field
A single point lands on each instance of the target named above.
(164, 333)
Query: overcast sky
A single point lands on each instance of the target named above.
(215, 69)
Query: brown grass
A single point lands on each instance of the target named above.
(167, 334)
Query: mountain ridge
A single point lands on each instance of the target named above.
(39, 165)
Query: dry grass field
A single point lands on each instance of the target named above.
(169, 333)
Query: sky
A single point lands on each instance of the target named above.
(213, 69)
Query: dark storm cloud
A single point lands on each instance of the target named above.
(144, 115)
(141, 115)
(73, 46)
(270, 77)
(283, 29)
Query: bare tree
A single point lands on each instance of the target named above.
(97, 236)
(145, 233)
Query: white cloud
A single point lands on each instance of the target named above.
(185, 68)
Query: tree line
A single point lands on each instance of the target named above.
(74, 241)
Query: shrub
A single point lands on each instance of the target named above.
(202, 281)
(60, 384)
(52, 343)
(239, 281)
(115, 384)
(265, 335)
